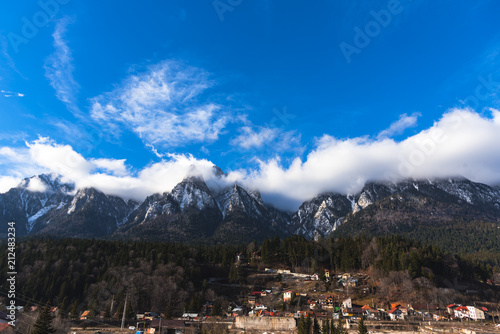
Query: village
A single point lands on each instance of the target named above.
(280, 298)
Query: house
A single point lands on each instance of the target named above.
(237, 311)
(311, 304)
(102, 315)
(252, 300)
(314, 277)
(327, 275)
(475, 313)
(189, 316)
(396, 314)
(287, 296)
(263, 293)
(151, 315)
(451, 308)
(371, 313)
(461, 312)
(85, 315)
(419, 309)
(55, 311)
(351, 282)
(346, 276)
(260, 307)
(355, 312)
(240, 257)
(4, 326)
(347, 303)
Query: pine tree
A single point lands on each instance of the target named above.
(301, 326)
(334, 329)
(308, 323)
(43, 324)
(340, 326)
(325, 328)
(315, 326)
(361, 327)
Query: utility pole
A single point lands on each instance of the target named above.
(124, 311)
(160, 325)
(111, 309)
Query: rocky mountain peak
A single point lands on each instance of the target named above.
(193, 192)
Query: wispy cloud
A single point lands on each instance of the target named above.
(59, 68)
(7, 93)
(256, 137)
(161, 106)
(250, 137)
(397, 128)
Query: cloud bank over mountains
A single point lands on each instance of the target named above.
(462, 143)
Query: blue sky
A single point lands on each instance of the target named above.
(246, 85)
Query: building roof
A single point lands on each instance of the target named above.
(393, 310)
(3, 326)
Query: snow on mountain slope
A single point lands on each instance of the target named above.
(46, 204)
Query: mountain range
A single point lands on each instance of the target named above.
(43, 205)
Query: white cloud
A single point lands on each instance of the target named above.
(461, 143)
(59, 159)
(113, 166)
(59, 68)
(251, 138)
(7, 93)
(111, 176)
(161, 106)
(36, 185)
(257, 137)
(7, 182)
(404, 122)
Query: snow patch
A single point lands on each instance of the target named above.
(40, 213)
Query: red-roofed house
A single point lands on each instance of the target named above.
(461, 312)
(4, 326)
(396, 314)
(85, 315)
(451, 308)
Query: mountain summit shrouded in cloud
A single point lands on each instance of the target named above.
(461, 143)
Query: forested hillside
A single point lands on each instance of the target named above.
(78, 274)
